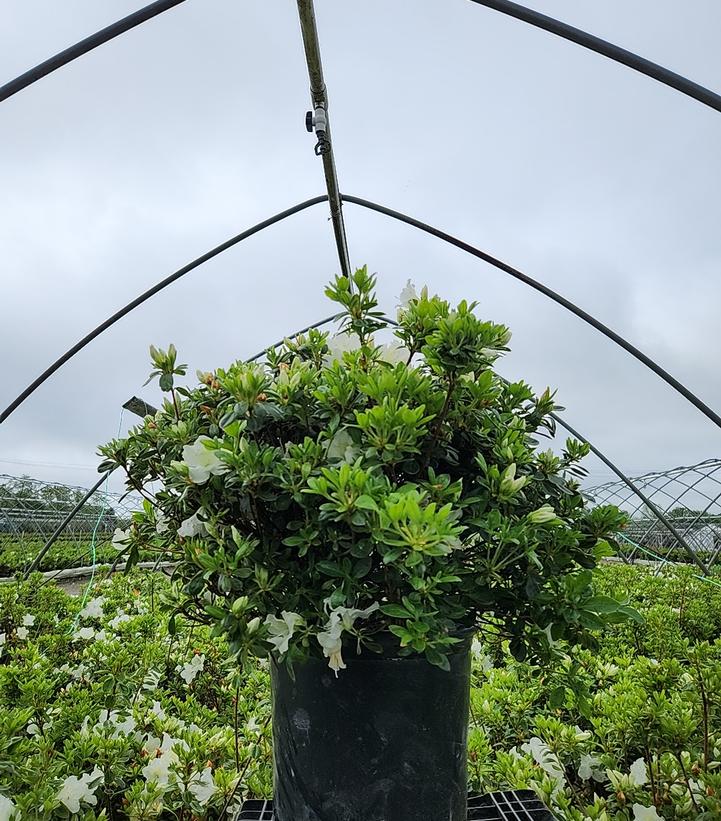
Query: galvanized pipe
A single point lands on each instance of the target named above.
(319, 99)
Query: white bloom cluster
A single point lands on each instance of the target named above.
(74, 790)
(159, 767)
(341, 447)
(331, 639)
(8, 810)
(638, 772)
(202, 463)
(121, 538)
(394, 353)
(546, 759)
(202, 786)
(93, 609)
(641, 813)
(22, 633)
(338, 345)
(281, 629)
(160, 770)
(191, 669)
(121, 618)
(193, 526)
(590, 768)
(28, 620)
(407, 294)
(120, 727)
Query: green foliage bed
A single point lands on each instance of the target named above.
(16, 554)
(104, 715)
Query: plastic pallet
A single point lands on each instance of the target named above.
(514, 805)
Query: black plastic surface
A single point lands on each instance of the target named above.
(516, 805)
(385, 740)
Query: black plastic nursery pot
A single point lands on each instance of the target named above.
(385, 740)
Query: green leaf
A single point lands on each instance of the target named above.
(438, 659)
(366, 503)
(395, 611)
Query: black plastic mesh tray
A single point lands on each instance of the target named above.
(516, 805)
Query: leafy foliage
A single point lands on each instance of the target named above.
(595, 735)
(403, 479)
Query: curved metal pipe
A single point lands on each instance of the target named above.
(603, 47)
(69, 354)
(543, 289)
(84, 46)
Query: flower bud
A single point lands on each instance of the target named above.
(542, 515)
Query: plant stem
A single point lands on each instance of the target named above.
(705, 708)
(686, 781)
(235, 725)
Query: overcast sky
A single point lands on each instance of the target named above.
(142, 155)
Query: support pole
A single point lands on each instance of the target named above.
(637, 490)
(318, 118)
(65, 522)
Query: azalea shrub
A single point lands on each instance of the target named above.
(106, 715)
(346, 488)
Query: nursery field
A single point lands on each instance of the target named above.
(16, 554)
(104, 714)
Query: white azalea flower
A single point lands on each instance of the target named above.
(192, 526)
(330, 639)
(482, 658)
(3, 639)
(638, 772)
(281, 629)
(332, 643)
(393, 353)
(8, 809)
(93, 609)
(202, 462)
(121, 538)
(641, 813)
(158, 769)
(84, 634)
(74, 790)
(22, 632)
(33, 729)
(341, 447)
(546, 759)
(191, 669)
(338, 345)
(202, 786)
(589, 768)
(121, 618)
(28, 620)
(407, 294)
(157, 710)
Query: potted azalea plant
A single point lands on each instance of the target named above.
(357, 511)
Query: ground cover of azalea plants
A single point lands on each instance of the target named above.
(105, 715)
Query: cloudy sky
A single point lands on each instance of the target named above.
(142, 155)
